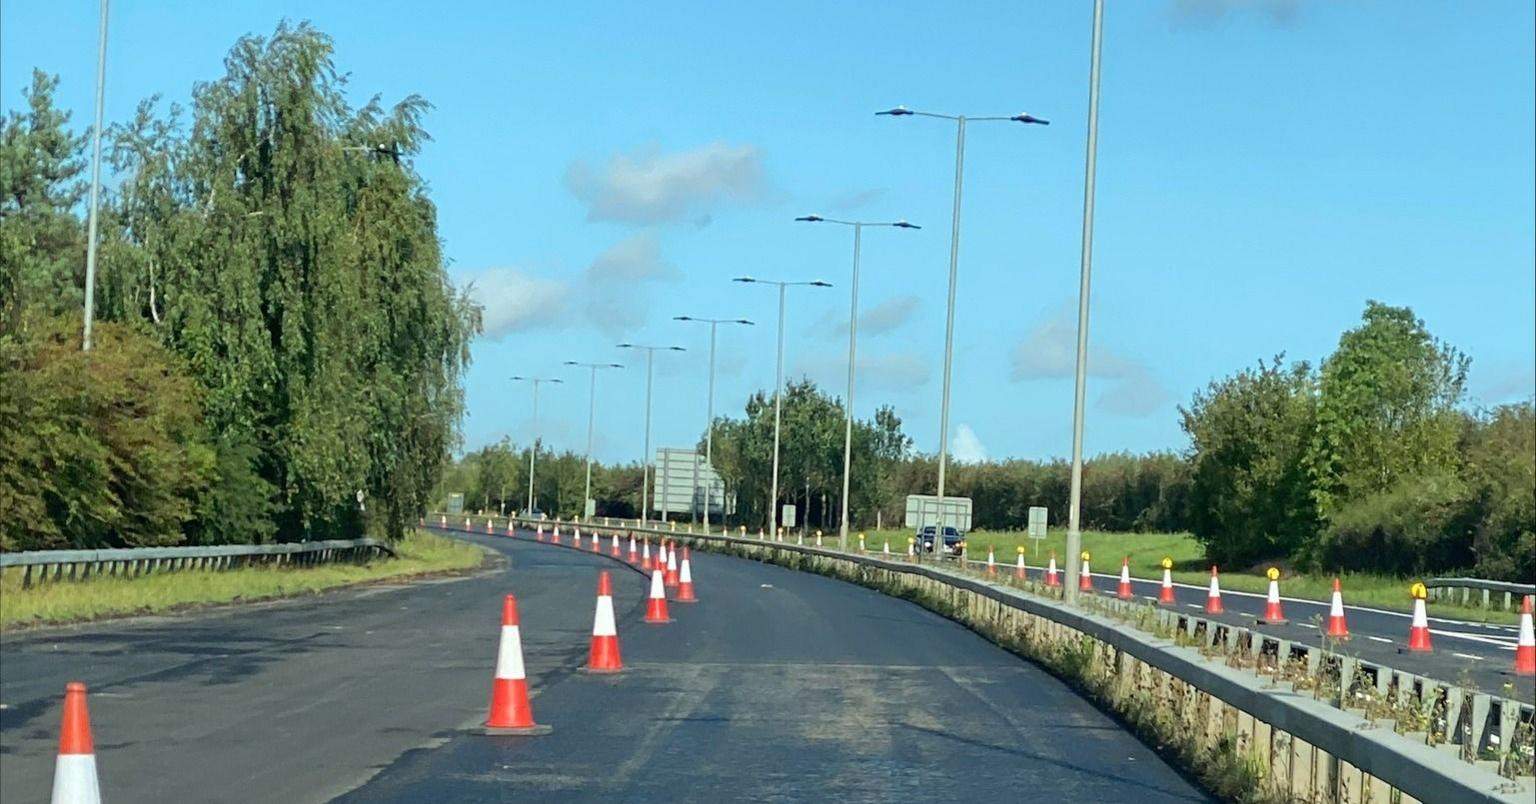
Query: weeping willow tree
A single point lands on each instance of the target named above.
(280, 243)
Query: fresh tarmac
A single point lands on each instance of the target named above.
(778, 686)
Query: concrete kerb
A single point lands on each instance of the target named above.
(1360, 755)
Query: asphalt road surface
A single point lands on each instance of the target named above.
(777, 686)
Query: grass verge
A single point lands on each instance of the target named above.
(1146, 552)
(104, 596)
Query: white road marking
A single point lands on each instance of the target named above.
(1379, 639)
(1468, 656)
(1306, 625)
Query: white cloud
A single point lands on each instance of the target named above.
(635, 258)
(648, 187)
(884, 317)
(1049, 351)
(966, 446)
(514, 300)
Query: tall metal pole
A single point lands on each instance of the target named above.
(591, 417)
(709, 427)
(949, 329)
(90, 246)
(1074, 519)
(645, 477)
(535, 450)
(778, 409)
(853, 338)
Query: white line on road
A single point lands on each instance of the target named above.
(1379, 639)
(1306, 625)
(1194, 605)
(1468, 656)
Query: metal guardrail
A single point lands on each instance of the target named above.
(1510, 594)
(1338, 741)
(138, 561)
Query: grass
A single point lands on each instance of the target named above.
(106, 596)
(1147, 550)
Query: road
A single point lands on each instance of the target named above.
(778, 686)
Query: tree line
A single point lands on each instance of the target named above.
(277, 349)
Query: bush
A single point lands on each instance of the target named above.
(1420, 525)
(100, 449)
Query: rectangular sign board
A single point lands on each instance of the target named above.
(1037, 515)
(456, 503)
(683, 482)
(927, 509)
(787, 518)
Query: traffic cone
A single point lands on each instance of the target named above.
(670, 577)
(1165, 594)
(442, 521)
(800, 537)
(1124, 592)
(781, 534)
(614, 546)
(466, 524)
(576, 537)
(1418, 632)
(539, 532)
(74, 772)
(604, 656)
(685, 582)
(991, 561)
(887, 550)
(634, 557)
(488, 528)
(510, 712)
(818, 538)
(1525, 648)
(1336, 626)
(1018, 568)
(656, 605)
(509, 528)
(645, 555)
(911, 550)
(1085, 579)
(760, 534)
(1052, 577)
(1213, 597)
(861, 543)
(1272, 613)
(597, 542)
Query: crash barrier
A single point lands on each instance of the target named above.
(1502, 595)
(135, 562)
(1301, 721)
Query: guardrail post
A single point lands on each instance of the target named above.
(26, 577)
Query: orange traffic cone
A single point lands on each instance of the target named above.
(539, 532)
(1525, 649)
(604, 656)
(613, 547)
(1052, 577)
(1213, 597)
(1272, 613)
(1418, 632)
(656, 605)
(510, 712)
(991, 562)
(1336, 626)
(670, 576)
(442, 520)
(887, 549)
(576, 537)
(1019, 571)
(634, 557)
(645, 555)
(685, 582)
(1124, 592)
(74, 772)
(1085, 580)
(1165, 594)
(554, 535)
(597, 542)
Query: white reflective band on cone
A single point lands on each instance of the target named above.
(603, 624)
(509, 659)
(74, 780)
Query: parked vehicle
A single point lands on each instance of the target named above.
(954, 540)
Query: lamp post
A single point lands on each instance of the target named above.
(535, 449)
(954, 259)
(90, 243)
(778, 389)
(645, 466)
(591, 417)
(709, 429)
(1074, 517)
(853, 336)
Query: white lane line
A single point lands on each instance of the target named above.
(1379, 639)
(1505, 644)
(1195, 606)
(1468, 656)
(1306, 625)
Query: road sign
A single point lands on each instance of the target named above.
(787, 518)
(674, 490)
(927, 509)
(1037, 516)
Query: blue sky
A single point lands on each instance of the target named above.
(1264, 168)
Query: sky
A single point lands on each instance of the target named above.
(1264, 168)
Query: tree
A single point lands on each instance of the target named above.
(1250, 496)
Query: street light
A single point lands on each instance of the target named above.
(90, 243)
(645, 466)
(709, 430)
(954, 259)
(853, 330)
(591, 416)
(778, 389)
(535, 450)
(1074, 517)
